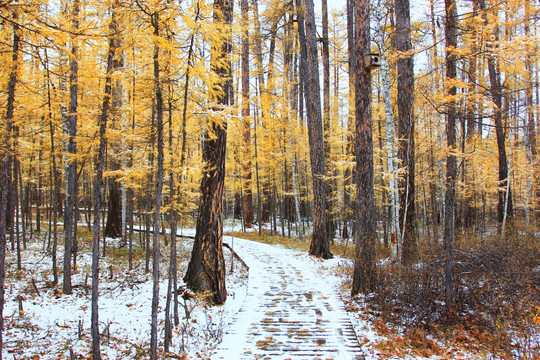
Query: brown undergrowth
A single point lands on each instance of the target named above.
(497, 300)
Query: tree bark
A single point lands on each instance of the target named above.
(6, 161)
(71, 171)
(155, 19)
(319, 242)
(206, 269)
(246, 120)
(113, 227)
(365, 272)
(451, 171)
(327, 124)
(405, 100)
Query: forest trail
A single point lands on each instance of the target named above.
(289, 312)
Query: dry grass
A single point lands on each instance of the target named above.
(497, 297)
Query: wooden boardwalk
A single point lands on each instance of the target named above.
(290, 312)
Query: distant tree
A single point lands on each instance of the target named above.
(505, 208)
(405, 101)
(206, 268)
(246, 122)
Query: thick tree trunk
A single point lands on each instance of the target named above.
(365, 272)
(206, 269)
(406, 131)
(451, 171)
(319, 242)
(71, 171)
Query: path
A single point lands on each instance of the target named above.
(290, 311)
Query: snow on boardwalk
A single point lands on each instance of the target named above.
(290, 311)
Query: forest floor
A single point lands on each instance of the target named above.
(286, 305)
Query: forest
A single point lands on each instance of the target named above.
(398, 135)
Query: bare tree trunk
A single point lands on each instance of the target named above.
(349, 146)
(329, 184)
(532, 151)
(451, 171)
(406, 131)
(319, 242)
(246, 120)
(71, 172)
(6, 161)
(206, 269)
(365, 271)
(159, 187)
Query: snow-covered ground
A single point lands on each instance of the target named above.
(288, 305)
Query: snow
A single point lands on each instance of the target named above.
(288, 304)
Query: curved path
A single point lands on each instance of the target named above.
(289, 312)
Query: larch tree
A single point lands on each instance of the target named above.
(319, 242)
(246, 119)
(71, 171)
(98, 184)
(206, 268)
(405, 104)
(330, 226)
(505, 208)
(365, 272)
(451, 170)
(6, 159)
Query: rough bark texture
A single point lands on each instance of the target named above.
(158, 190)
(406, 130)
(319, 242)
(206, 269)
(71, 172)
(327, 126)
(246, 120)
(113, 227)
(451, 171)
(365, 275)
(6, 158)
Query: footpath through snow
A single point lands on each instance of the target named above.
(290, 310)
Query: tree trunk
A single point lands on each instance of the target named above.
(158, 190)
(365, 272)
(6, 161)
(319, 242)
(451, 171)
(71, 171)
(246, 120)
(406, 131)
(391, 156)
(206, 269)
(496, 97)
(327, 127)
(113, 227)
